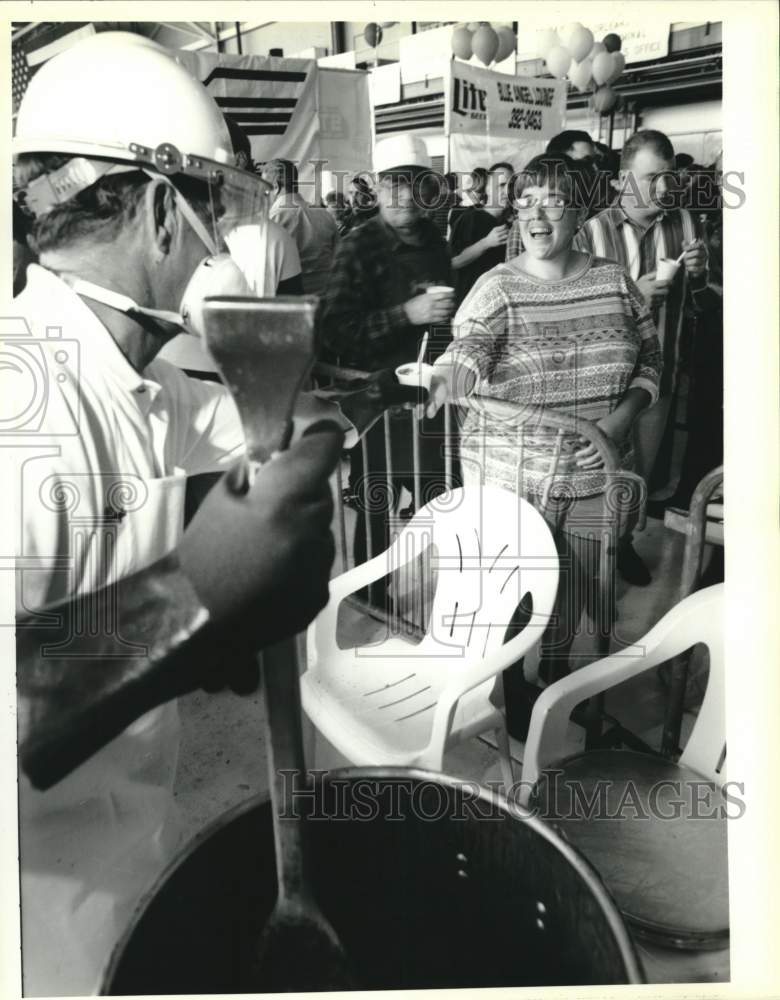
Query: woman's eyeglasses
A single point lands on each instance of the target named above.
(553, 206)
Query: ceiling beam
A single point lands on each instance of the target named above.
(245, 27)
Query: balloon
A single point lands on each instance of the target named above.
(580, 75)
(559, 60)
(566, 33)
(485, 45)
(580, 43)
(507, 43)
(461, 43)
(547, 40)
(619, 64)
(602, 68)
(373, 34)
(612, 42)
(604, 100)
(598, 47)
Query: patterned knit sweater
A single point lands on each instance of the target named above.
(575, 345)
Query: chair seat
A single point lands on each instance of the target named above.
(381, 709)
(662, 855)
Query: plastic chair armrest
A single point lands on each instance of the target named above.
(472, 675)
(321, 634)
(676, 632)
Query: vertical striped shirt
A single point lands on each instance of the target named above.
(611, 234)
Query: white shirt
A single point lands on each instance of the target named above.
(315, 234)
(108, 441)
(113, 439)
(116, 431)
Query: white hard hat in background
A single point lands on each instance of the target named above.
(115, 89)
(399, 151)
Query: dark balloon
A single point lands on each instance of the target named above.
(373, 34)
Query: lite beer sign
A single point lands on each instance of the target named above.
(468, 100)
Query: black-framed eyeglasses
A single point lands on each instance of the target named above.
(553, 206)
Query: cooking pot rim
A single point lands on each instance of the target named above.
(578, 861)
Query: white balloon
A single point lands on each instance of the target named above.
(507, 43)
(567, 32)
(618, 65)
(559, 60)
(598, 47)
(580, 75)
(580, 43)
(548, 39)
(602, 67)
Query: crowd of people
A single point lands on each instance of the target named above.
(545, 283)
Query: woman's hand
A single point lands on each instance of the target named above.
(616, 426)
(438, 392)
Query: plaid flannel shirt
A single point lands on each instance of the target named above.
(363, 322)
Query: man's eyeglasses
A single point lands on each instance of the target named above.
(552, 206)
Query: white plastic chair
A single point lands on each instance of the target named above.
(697, 619)
(396, 703)
(667, 871)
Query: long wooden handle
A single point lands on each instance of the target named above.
(284, 733)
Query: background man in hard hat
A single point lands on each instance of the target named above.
(132, 198)
(374, 315)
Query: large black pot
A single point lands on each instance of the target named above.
(459, 890)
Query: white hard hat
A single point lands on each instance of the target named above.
(119, 102)
(398, 151)
(115, 91)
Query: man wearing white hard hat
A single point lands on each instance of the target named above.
(376, 311)
(123, 161)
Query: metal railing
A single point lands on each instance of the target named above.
(487, 408)
(695, 539)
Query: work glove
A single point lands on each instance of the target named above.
(259, 556)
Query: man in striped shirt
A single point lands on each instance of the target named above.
(637, 231)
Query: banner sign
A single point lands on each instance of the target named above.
(494, 116)
(483, 102)
(291, 108)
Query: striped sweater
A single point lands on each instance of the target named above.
(575, 345)
(611, 234)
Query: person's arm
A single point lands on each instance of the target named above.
(642, 390)
(465, 249)
(350, 326)
(478, 328)
(649, 364)
(234, 585)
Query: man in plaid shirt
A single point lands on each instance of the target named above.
(373, 316)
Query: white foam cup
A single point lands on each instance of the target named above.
(666, 268)
(415, 373)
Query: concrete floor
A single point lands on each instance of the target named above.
(223, 756)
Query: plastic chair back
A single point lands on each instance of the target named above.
(491, 550)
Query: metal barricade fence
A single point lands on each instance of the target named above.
(624, 484)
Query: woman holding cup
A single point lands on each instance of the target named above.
(560, 329)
